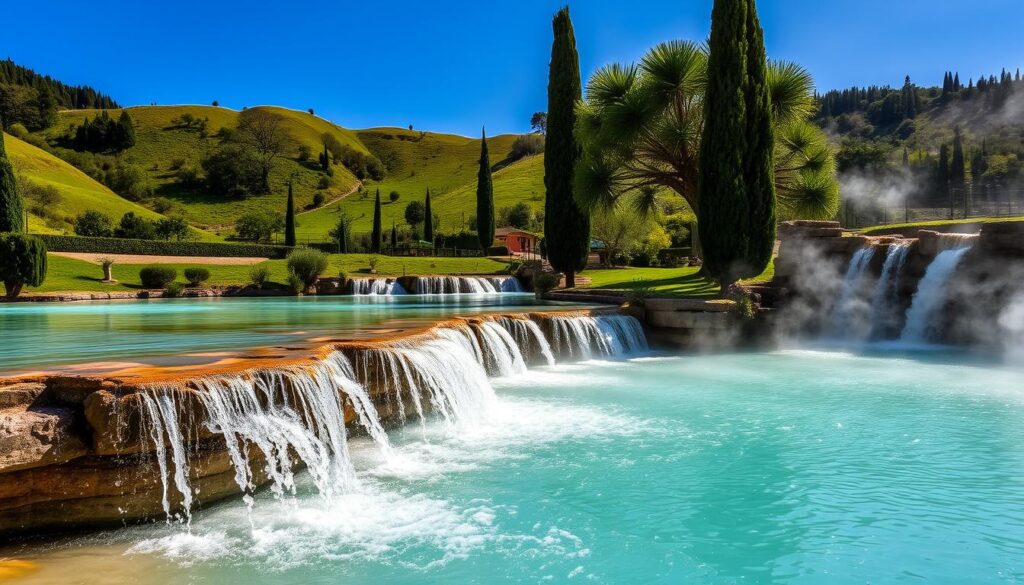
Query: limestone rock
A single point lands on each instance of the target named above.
(21, 394)
(38, 436)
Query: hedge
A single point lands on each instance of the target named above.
(56, 243)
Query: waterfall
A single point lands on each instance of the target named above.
(885, 301)
(448, 285)
(272, 421)
(851, 304)
(931, 291)
(376, 286)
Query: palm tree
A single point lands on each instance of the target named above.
(641, 126)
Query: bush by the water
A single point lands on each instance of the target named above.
(544, 282)
(173, 289)
(259, 275)
(307, 264)
(157, 276)
(57, 243)
(22, 262)
(196, 275)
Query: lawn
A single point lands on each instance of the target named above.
(669, 282)
(67, 275)
(937, 223)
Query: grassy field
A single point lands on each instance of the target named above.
(68, 275)
(444, 163)
(669, 282)
(159, 142)
(78, 191)
(937, 223)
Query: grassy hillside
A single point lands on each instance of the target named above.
(161, 144)
(77, 192)
(445, 163)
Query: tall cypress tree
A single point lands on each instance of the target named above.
(736, 176)
(394, 238)
(566, 226)
(289, 219)
(428, 220)
(375, 236)
(957, 165)
(12, 211)
(484, 198)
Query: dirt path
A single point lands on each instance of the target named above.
(333, 201)
(145, 259)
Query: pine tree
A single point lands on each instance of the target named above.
(735, 179)
(956, 81)
(375, 236)
(566, 226)
(126, 131)
(325, 159)
(289, 219)
(342, 234)
(394, 238)
(909, 99)
(943, 168)
(12, 211)
(484, 198)
(428, 220)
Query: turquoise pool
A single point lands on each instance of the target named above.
(782, 467)
(45, 335)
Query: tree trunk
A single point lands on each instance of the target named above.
(13, 288)
(570, 279)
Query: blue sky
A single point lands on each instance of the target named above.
(454, 66)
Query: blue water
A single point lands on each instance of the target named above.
(785, 467)
(48, 335)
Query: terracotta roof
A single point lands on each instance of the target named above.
(504, 231)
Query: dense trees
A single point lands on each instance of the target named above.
(736, 177)
(566, 226)
(415, 214)
(66, 96)
(105, 134)
(258, 226)
(233, 170)
(484, 198)
(265, 134)
(32, 100)
(12, 214)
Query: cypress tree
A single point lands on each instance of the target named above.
(428, 221)
(484, 198)
(943, 169)
(342, 231)
(12, 218)
(289, 219)
(566, 226)
(736, 178)
(957, 167)
(394, 238)
(375, 236)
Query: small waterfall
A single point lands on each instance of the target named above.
(851, 303)
(450, 285)
(885, 303)
(581, 338)
(931, 291)
(272, 421)
(376, 286)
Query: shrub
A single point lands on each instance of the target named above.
(233, 171)
(135, 227)
(259, 275)
(93, 224)
(295, 283)
(526, 145)
(157, 276)
(196, 275)
(162, 204)
(173, 289)
(373, 261)
(323, 183)
(318, 199)
(171, 228)
(22, 262)
(394, 196)
(258, 226)
(519, 216)
(304, 153)
(307, 264)
(188, 176)
(544, 283)
(58, 243)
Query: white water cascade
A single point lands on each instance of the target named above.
(885, 301)
(931, 291)
(274, 421)
(447, 285)
(376, 286)
(850, 307)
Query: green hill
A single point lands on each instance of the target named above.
(72, 191)
(415, 160)
(445, 163)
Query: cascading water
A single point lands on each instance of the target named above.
(931, 291)
(376, 286)
(851, 305)
(885, 303)
(272, 421)
(447, 285)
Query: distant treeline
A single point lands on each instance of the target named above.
(32, 100)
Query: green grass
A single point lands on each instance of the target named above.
(158, 144)
(445, 163)
(938, 223)
(69, 275)
(663, 282)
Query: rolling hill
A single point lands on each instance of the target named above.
(75, 191)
